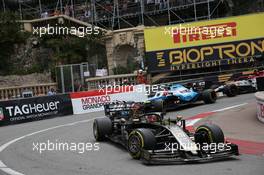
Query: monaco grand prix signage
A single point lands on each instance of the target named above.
(93, 101)
(35, 108)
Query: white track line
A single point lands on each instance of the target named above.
(9, 171)
(193, 121)
(2, 165)
(231, 107)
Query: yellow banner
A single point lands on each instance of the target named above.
(204, 32)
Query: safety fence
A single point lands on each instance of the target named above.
(17, 91)
(84, 77)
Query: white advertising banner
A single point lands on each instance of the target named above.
(93, 101)
(260, 110)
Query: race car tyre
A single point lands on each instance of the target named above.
(101, 128)
(209, 96)
(214, 86)
(155, 106)
(231, 90)
(209, 133)
(140, 139)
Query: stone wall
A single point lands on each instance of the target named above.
(117, 43)
(25, 60)
(23, 80)
(29, 55)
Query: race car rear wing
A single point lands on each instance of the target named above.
(156, 106)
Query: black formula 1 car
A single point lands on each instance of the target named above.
(155, 140)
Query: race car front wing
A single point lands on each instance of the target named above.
(170, 157)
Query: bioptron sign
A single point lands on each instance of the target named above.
(227, 41)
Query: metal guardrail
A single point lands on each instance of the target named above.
(16, 91)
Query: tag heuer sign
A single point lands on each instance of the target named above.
(1, 114)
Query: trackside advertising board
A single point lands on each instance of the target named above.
(36, 108)
(205, 44)
(260, 110)
(93, 101)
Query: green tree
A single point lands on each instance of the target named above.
(10, 35)
(69, 49)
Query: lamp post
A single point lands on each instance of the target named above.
(3, 2)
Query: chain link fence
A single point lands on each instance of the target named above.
(71, 78)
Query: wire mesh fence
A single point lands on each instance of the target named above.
(71, 78)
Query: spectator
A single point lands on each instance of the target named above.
(125, 82)
(51, 92)
(140, 77)
(87, 13)
(157, 4)
(256, 72)
(71, 11)
(162, 4)
(56, 13)
(165, 4)
(67, 10)
(150, 4)
(44, 15)
(125, 5)
(80, 88)
(150, 1)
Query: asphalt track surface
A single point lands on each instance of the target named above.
(110, 159)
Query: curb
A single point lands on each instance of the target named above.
(245, 147)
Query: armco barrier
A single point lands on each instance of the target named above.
(36, 108)
(260, 105)
(93, 101)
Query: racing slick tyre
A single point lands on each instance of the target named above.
(140, 139)
(209, 133)
(209, 96)
(231, 90)
(101, 128)
(155, 106)
(214, 86)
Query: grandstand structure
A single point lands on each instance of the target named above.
(119, 14)
(124, 21)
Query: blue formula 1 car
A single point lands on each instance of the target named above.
(177, 94)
